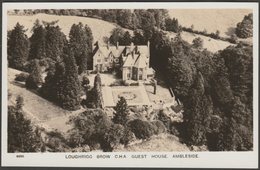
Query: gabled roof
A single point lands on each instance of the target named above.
(117, 51)
(134, 55)
(140, 62)
(130, 60)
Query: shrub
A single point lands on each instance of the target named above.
(112, 137)
(159, 127)
(198, 43)
(56, 142)
(117, 83)
(92, 125)
(127, 137)
(233, 39)
(22, 77)
(142, 129)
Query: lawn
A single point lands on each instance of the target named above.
(134, 95)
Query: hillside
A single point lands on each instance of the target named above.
(210, 44)
(40, 111)
(100, 28)
(160, 143)
(224, 20)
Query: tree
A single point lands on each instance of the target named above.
(126, 39)
(239, 61)
(38, 42)
(124, 18)
(97, 92)
(181, 69)
(138, 37)
(197, 43)
(159, 15)
(116, 35)
(121, 112)
(21, 134)
(197, 113)
(85, 83)
(172, 25)
(35, 78)
(244, 29)
(69, 97)
(17, 47)
(91, 125)
(145, 19)
(55, 41)
(233, 39)
(217, 34)
(54, 81)
(81, 40)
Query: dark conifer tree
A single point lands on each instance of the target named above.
(120, 116)
(97, 91)
(17, 47)
(34, 80)
(55, 42)
(21, 134)
(53, 85)
(126, 39)
(81, 40)
(69, 97)
(38, 42)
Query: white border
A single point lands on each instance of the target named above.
(205, 160)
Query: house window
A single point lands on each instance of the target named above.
(116, 60)
(128, 76)
(106, 60)
(140, 76)
(98, 60)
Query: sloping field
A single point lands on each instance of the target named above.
(160, 143)
(210, 44)
(100, 28)
(224, 20)
(39, 110)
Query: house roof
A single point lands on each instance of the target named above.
(134, 55)
(129, 61)
(140, 62)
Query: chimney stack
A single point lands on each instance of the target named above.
(148, 44)
(108, 44)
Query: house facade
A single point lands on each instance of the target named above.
(132, 60)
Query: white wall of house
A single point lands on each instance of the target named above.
(98, 58)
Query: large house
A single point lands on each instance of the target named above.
(132, 60)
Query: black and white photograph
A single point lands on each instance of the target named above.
(121, 79)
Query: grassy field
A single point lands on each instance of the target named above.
(224, 20)
(39, 110)
(210, 44)
(100, 28)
